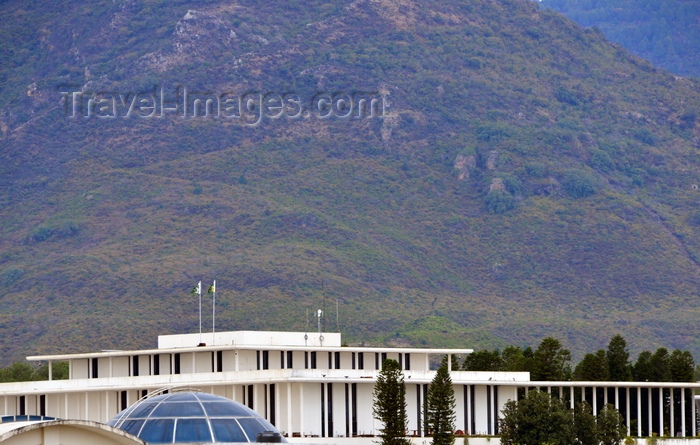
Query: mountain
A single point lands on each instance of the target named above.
(666, 33)
(488, 173)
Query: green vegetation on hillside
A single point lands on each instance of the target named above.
(529, 179)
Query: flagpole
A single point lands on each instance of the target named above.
(213, 316)
(200, 312)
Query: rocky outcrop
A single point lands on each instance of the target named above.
(464, 164)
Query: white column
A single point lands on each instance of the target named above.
(651, 426)
(571, 397)
(683, 413)
(277, 404)
(449, 362)
(289, 409)
(235, 361)
(672, 426)
(492, 388)
(639, 411)
(595, 400)
(106, 417)
(87, 407)
(692, 418)
(50, 370)
(302, 427)
(617, 398)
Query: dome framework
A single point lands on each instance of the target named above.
(194, 417)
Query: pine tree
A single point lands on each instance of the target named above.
(619, 360)
(390, 404)
(441, 408)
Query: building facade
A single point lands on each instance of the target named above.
(310, 386)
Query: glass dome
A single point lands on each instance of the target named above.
(193, 417)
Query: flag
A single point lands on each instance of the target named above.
(212, 288)
(197, 290)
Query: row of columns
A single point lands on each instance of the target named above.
(639, 407)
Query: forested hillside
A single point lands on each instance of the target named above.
(520, 177)
(665, 32)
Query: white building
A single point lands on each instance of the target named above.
(309, 386)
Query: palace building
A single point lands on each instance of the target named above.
(313, 389)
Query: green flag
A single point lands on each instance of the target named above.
(197, 290)
(212, 288)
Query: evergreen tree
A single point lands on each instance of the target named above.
(593, 367)
(441, 408)
(611, 426)
(390, 404)
(551, 362)
(585, 427)
(641, 370)
(537, 419)
(619, 360)
(483, 361)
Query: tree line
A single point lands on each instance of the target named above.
(24, 372)
(550, 361)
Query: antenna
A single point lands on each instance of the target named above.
(323, 290)
(306, 328)
(320, 334)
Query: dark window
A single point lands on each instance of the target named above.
(135, 365)
(337, 360)
(156, 364)
(122, 399)
(488, 409)
(144, 393)
(273, 404)
(219, 361)
(330, 361)
(313, 359)
(250, 397)
(290, 359)
(353, 360)
(419, 412)
(400, 360)
(306, 360)
(266, 360)
(22, 406)
(347, 407)
(282, 360)
(383, 360)
(330, 410)
(360, 360)
(407, 361)
(473, 407)
(323, 410)
(257, 357)
(376, 360)
(353, 402)
(93, 368)
(42, 405)
(177, 364)
(495, 409)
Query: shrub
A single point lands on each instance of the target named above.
(579, 184)
(499, 201)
